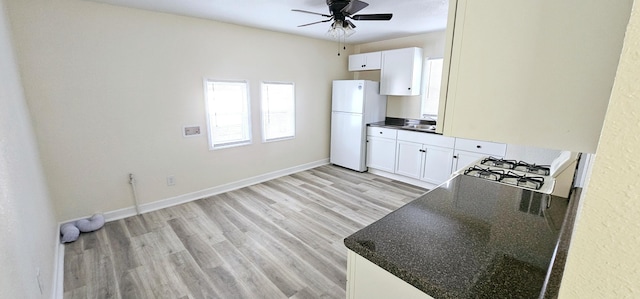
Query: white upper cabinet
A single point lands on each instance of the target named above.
(365, 61)
(536, 73)
(401, 72)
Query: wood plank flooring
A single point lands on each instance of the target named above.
(278, 239)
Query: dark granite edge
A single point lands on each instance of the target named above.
(550, 288)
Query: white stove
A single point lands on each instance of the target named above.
(514, 173)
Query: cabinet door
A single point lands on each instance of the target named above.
(462, 159)
(401, 72)
(365, 61)
(437, 164)
(357, 62)
(409, 159)
(381, 153)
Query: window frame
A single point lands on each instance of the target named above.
(263, 113)
(210, 131)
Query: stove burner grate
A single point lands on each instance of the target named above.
(533, 168)
(532, 182)
(497, 162)
(484, 173)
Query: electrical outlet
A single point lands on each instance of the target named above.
(171, 180)
(190, 131)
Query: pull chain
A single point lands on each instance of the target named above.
(342, 43)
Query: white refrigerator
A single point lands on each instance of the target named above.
(354, 104)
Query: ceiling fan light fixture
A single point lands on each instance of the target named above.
(340, 29)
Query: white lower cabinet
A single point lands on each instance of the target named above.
(424, 162)
(462, 159)
(424, 157)
(381, 153)
(409, 157)
(437, 164)
(381, 148)
(366, 280)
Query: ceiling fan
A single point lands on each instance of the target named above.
(343, 10)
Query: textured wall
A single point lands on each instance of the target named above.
(28, 229)
(110, 89)
(604, 258)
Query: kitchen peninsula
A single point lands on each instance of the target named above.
(468, 238)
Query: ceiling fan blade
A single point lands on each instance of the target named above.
(314, 23)
(373, 17)
(353, 26)
(311, 12)
(354, 6)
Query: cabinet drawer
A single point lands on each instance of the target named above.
(381, 132)
(483, 147)
(426, 138)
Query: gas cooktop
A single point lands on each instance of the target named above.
(512, 172)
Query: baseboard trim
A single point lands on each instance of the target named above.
(403, 179)
(57, 285)
(121, 213)
(173, 201)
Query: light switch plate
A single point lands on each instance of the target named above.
(191, 131)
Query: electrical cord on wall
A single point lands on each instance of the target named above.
(132, 181)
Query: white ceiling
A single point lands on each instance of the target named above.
(410, 17)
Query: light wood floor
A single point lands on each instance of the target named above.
(278, 239)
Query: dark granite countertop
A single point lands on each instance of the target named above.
(470, 238)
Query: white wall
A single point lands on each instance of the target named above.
(432, 45)
(28, 229)
(110, 88)
(604, 259)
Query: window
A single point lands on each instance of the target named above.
(228, 118)
(432, 78)
(278, 111)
